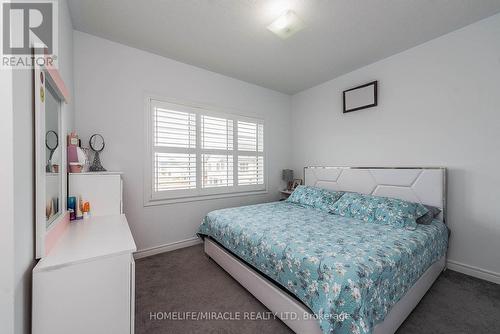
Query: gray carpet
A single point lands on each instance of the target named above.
(187, 281)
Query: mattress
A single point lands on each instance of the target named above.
(349, 273)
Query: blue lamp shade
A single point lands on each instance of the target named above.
(287, 175)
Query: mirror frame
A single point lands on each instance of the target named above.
(46, 236)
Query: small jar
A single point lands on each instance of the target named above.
(75, 167)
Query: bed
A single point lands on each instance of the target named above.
(323, 273)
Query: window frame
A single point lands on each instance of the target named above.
(152, 198)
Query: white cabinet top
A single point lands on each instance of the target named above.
(85, 240)
(97, 173)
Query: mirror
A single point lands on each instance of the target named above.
(96, 143)
(50, 97)
(53, 156)
(51, 142)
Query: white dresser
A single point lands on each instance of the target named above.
(86, 282)
(102, 189)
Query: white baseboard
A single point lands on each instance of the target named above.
(166, 247)
(473, 271)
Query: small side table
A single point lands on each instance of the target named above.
(285, 194)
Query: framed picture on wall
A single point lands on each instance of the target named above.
(360, 97)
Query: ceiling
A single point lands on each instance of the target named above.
(230, 36)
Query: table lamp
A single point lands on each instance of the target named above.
(288, 178)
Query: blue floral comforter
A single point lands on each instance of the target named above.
(334, 265)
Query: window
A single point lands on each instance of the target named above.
(195, 152)
(174, 155)
(217, 152)
(250, 147)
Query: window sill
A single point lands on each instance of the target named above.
(155, 202)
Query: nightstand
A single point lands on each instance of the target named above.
(285, 194)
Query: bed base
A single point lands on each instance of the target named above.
(284, 305)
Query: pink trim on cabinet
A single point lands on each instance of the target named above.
(53, 235)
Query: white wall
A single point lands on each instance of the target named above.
(111, 82)
(23, 159)
(439, 105)
(23, 198)
(7, 204)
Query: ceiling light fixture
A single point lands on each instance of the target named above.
(286, 25)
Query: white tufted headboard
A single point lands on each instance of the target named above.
(426, 185)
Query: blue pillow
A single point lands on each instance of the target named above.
(379, 210)
(318, 198)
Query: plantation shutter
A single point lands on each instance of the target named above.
(217, 152)
(198, 152)
(174, 146)
(250, 153)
